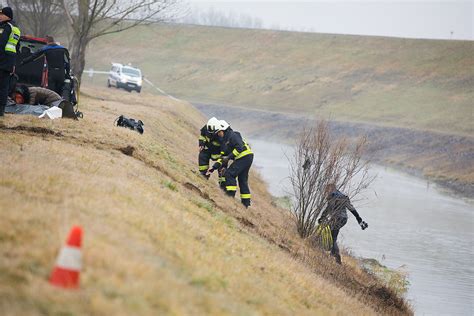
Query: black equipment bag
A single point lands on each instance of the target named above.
(130, 123)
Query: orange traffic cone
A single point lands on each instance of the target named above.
(68, 264)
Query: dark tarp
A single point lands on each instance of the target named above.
(36, 110)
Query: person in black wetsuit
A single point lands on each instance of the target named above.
(335, 215)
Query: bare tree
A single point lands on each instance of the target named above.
(90, 19)
(38, 17)
(319, 160)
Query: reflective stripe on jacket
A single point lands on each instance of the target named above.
(7, 56)
(233, 146)
(13, 39)
(245, 152)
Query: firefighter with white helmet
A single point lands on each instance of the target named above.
(234, 147)
(209, 146)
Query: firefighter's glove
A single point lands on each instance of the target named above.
(225, 160)
(209, 171)
(221, 171)
(201, 148)
(363, 225)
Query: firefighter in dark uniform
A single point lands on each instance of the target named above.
(58, 60)
(335, 215)
(209, 146)
(9, 46)
(233, 147)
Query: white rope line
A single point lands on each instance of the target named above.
(161, 91)
(96, 72)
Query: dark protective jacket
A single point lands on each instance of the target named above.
(233, 146)
(207, 139)
(338, 203)
(212, 147)
(56, 55)
(9, 45)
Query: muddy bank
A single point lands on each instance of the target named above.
(447, 160)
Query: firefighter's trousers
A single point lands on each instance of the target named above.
(240, 170)
(337, 224)
(211, 152)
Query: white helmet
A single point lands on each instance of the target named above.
(222, 126)
(211, 124)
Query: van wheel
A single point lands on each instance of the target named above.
(139, 90)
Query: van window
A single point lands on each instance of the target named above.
(132, 72)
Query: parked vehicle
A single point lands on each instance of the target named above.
(126, 77)
(35, 73)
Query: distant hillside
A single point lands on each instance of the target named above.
(422, 84)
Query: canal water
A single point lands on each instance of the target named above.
(412, 224)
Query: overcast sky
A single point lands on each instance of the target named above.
(413, 19)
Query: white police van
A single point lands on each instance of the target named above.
(126, 77)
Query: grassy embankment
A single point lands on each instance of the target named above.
(158, 238)
(420, 85)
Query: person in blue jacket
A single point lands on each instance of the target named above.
(57, 57)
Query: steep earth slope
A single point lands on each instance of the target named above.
(158, 238)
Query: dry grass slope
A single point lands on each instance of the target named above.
(158, 238)
(425, 88)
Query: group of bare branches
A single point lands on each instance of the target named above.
(320, 159)
(38, 17)
(89, 19)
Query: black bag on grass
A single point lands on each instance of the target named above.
(130, 123)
